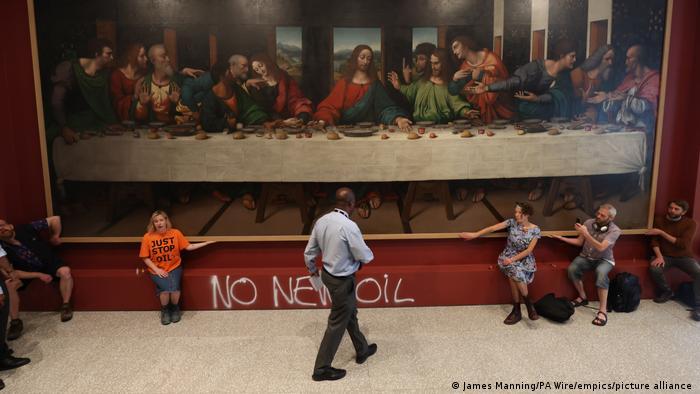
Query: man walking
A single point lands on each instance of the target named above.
(340, 242)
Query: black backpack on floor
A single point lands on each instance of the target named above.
(625, 293)
(552, 308)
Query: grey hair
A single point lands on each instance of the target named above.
(235, 59)
(611, 210)
(152, 49)
(594, 60)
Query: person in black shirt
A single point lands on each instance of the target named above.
(34, 257)
(7, 361)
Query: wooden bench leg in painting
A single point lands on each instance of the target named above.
(408, 204)
(112, 202)
(551, 196)
(301, 200)
(446, 198)
(262, 203)
(587, 192)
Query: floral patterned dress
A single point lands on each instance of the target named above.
(518, 240)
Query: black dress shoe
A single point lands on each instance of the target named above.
(10, 362)
(2, 384)
(371, 349)
(329, 373)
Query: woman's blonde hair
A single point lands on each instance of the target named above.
(152, 228)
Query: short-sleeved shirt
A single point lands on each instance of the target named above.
(590, 252)
(33, 254)
(164, 249)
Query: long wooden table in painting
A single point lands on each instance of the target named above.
(448, 156)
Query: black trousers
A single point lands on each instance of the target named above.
(4, 314)
(343, 317)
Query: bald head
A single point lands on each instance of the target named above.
(344, 198)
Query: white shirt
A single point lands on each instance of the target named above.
(340, 242)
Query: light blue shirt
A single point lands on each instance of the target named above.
(340, 242)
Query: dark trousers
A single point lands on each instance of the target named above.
(4, 314)
(685, 264)
(343, 317)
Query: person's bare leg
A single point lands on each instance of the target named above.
(175, 297)
(164, 297)
(514, 290)
(14, 299)
(522, 288)
(65, 284)
(603, 297)
(578, 285)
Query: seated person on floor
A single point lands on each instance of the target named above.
(33, 257)
(7, 361)
(597, 238)
(517, 261)
(671, 242)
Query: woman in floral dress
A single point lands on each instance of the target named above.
(516, 261)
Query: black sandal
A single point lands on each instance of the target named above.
(598, 321)
(576, 304)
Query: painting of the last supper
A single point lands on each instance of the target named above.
(242, 118)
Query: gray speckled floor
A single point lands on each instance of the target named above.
(420, 350)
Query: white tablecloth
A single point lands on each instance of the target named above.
(317, 159)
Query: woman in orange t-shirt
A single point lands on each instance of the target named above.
(160, 250)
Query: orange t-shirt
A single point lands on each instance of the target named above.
(164, 249)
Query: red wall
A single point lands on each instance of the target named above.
(433, 272)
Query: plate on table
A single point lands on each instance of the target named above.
(501, 122)
(293, 130)
(425, 123)
(537, 128)
(613, 128)
(460, 121)
(496, 126)
(156, 125)
(359, 132)
(559, 120)
(248, 130)
(442, 126)
(531, 121)
(364, 125)
(180, 130)
(343, 126)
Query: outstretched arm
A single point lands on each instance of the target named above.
(196, 246)
(578, 241)
(54, 229)
(488, 230)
